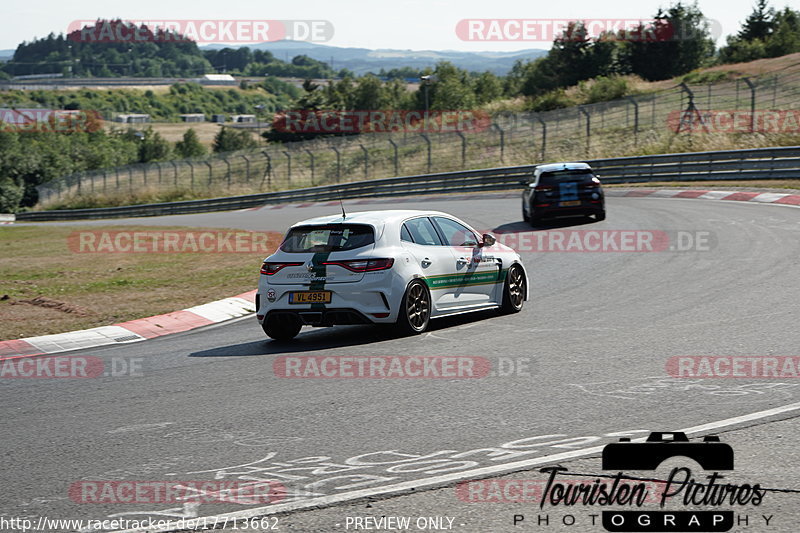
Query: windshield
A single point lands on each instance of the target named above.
(328, 238)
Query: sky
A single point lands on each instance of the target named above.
(401, 24)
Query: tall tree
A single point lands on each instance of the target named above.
(759, 24)
(677, 42)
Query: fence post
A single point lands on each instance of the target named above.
(159, 174)
(105, 177)
(428, 142)
(311, 156)
(228, 164)
(366, 161)
(116, 170)
(267, 171)
(210, 176)
(338, 163)
(585, 113)
(691, 111)
(463, 149)
(752, 88)
(191, 170)
(247, 167)
(632, 100)
(289, 166)
(144, 170)
(175, 166)
(130, 179)
(79, 184)
(396, 162)
(544, 134)
(502, 140)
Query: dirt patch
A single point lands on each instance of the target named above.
(49, 303)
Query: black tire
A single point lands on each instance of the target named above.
(525, 216)
(600, 216)
(415, 309)
(513, 291)
(282, 327)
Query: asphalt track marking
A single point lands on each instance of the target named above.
(443, 480)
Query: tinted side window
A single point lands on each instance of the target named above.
(456, 234)
(405, 235)
(422, 231)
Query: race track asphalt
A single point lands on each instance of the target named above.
(589, 352)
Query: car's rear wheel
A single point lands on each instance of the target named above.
(600, 216)
(513, 290)
(282, 327)
(415, 311)
(525, 216)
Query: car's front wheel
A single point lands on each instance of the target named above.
(282, 327)
(513, 290)
(415, 310)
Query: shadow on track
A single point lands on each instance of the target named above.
(316, 339)
(543, 225)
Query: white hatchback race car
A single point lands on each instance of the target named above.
(385, 267)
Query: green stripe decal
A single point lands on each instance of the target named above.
(446, 281)
(320, 271)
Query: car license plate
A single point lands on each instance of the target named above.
(310, 297)
(571, 203)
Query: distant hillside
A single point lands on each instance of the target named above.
(363, 60)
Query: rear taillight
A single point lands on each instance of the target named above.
(363, 265)
(271, 268)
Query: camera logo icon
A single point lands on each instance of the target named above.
(711, 454)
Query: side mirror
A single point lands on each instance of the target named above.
(488, 240)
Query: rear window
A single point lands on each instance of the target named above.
(552, 178)
(328, 238)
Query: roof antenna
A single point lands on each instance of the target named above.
(339, 194)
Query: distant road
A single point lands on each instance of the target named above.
(94, 83)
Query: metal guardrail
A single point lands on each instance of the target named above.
(753, 164)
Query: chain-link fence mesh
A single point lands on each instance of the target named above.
(605, 129)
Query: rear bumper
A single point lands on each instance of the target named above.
(375, 299)
(322, 317)
(586, 208)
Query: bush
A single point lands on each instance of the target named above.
(10, 195)
(229, 140)
(190, 145)
(557, 99)
(603, 89)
